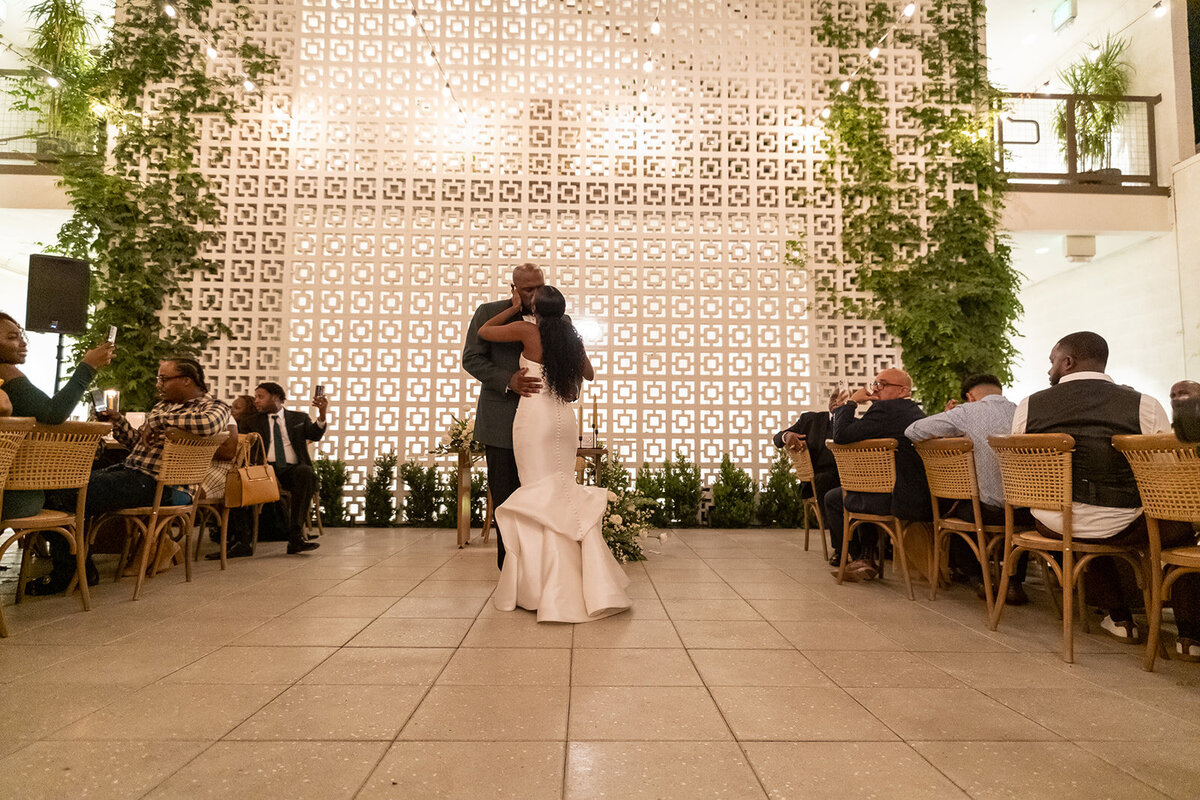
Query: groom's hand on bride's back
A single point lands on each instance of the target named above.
(524, 385)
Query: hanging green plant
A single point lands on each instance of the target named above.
(930, 260)
(145, 213)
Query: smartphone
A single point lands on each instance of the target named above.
(319, 391)
(112, 334)
(99, 403)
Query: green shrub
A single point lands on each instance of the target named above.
(733, 497)
(780, 505)
(380, 501)
(649, 484)
(681, 491)
(421, 504)
(331, 476)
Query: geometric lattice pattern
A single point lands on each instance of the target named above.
(368, 217)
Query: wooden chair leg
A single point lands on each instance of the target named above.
(488, 518)
(23, 575)
(1068, 599)
(1158, 588)
(1007, 564)
(78, 544)
(935, 559)
(149, 542)
(985, 565)
(224, 536)
(847, 531)
(898, 547)
(804, 508)
(821, 531)
(255, 513)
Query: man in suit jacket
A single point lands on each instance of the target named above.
(497, 366)
(289, 432)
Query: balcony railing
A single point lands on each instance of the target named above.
(1036, 159)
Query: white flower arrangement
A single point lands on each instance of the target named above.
(460, 436)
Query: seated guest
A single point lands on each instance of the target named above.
(184, 404)
(809, 433)
(985, 412)
(1185, 411)
(286, 435)
(239, 532)
(29, 401)
(1084, 402)
(892, 411)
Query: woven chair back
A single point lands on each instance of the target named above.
(801, 464)
(186, 458)
(1167, 473)
(950, 467)
(13, 431)
(1035, 469)
(57, 456)
(867, 466)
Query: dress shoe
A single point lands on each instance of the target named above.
(1016, 595)
(93, 574)
(47, 585)
(295, 547)
(236, 550)
(1187, 649)
(835, 560)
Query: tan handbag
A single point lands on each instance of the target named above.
(251, 484)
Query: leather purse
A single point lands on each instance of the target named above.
(251, 484)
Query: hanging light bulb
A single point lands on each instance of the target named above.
(825, 113)
(446, 90)
(648, 66)
(170, 11)
(909, 10)
(1160, 9)
(412, 19)
(655, 27)
(53, 82)
(431, 57)
(212, 53)
(874, 54)
(248, 85)
(845, 87)
(643, 95)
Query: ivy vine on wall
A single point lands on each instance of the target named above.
(145, 213)
(923, 233)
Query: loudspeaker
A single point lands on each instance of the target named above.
(57, 301)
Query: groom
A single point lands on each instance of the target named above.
(495, 365)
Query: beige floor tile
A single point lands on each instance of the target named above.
(304, 632)
(490, 714)
(632, 667)
(785, 589)
(431, 588)
(349, 606)
(362, 587)
(1180, 702)
(959, 714)
(881, 669)
(653, 770)
(620, 632)
(656, 713)
(807, 610)
(333, 712)
(757, 668)
(93, 769)
(468, 771)
(517, 629)
(1004, 671)
(698, 591)
(834, 635)
(491, 666)
(1170, 767)
(34, 709)
(296, 770)
(195, 631)
(129, 666)
(398, 574)
(667, 577)
(434, 607)
(641, 590)
(17, 660)
(645, 608)
(987, 770)
(796, 713)
(711, 609)
(250, 604)
(400, 632)
(398, 666)
(837, 770)
(297, 587)
(230, 665)
(179, 711)
(738, 635)
(1095, 714)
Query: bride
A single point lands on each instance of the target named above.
(557, 562)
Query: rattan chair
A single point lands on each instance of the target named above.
(1168, 477)
(185, 460)
(950, 470)
(870, 466)
(13, 431)
(214, 508)
(1035, 469)
(803, 468)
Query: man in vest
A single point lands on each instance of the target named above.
(1084, 402)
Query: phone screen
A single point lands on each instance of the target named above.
(112, 334)
(319, 391)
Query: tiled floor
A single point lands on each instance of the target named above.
(377, 668)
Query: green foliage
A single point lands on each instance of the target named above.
(1104, 73)
(447, 511)
(941, 281)
(649, 484)
(423, 498)
(733, 497)
(674, 490)
(780, 504)
(331, 476)
(627, 515)
(144, 211)
(380, 501)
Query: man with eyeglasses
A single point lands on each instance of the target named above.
(892, 410)
(184, 403)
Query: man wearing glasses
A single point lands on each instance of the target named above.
(184, 403)
(892, 411)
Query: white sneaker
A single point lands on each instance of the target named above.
(1187, 649)
(1121, 631)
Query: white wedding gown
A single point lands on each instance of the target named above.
(556, 561)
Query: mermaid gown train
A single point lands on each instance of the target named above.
(556, 562)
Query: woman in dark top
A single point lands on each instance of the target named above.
(29, 401)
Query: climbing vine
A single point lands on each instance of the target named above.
(922, 230)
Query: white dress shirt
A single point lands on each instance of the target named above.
(289, 452)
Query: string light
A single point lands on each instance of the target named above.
(648, 66)
(655, 27)
(909, 10)
(412, 19)
(212, 53)
(874, 54)
(431, 57)
(170, 11)
(248, 85)
(1160, 10)
(53, 82)
(845, 87)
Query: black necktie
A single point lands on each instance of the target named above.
(280, 453)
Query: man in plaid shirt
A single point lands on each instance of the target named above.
(184, 404)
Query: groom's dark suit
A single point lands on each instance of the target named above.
(493, 364)
(298, 478)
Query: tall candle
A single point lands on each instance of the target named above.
(594, 417)
(581, 422)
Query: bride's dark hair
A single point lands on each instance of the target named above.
(562, 349)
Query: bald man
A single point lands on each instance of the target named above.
(497, 366)
(892, 411)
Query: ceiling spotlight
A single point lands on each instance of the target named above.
(909, 10)
(53, 82)
(874, 54)
(212, 53)
(1160, 10)
(170, 11)
(655, 27)
(248, 85)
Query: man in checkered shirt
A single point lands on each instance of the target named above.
(184, 403)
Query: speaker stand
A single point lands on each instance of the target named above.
(58, 362)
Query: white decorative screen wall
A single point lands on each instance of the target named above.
(368, 217)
